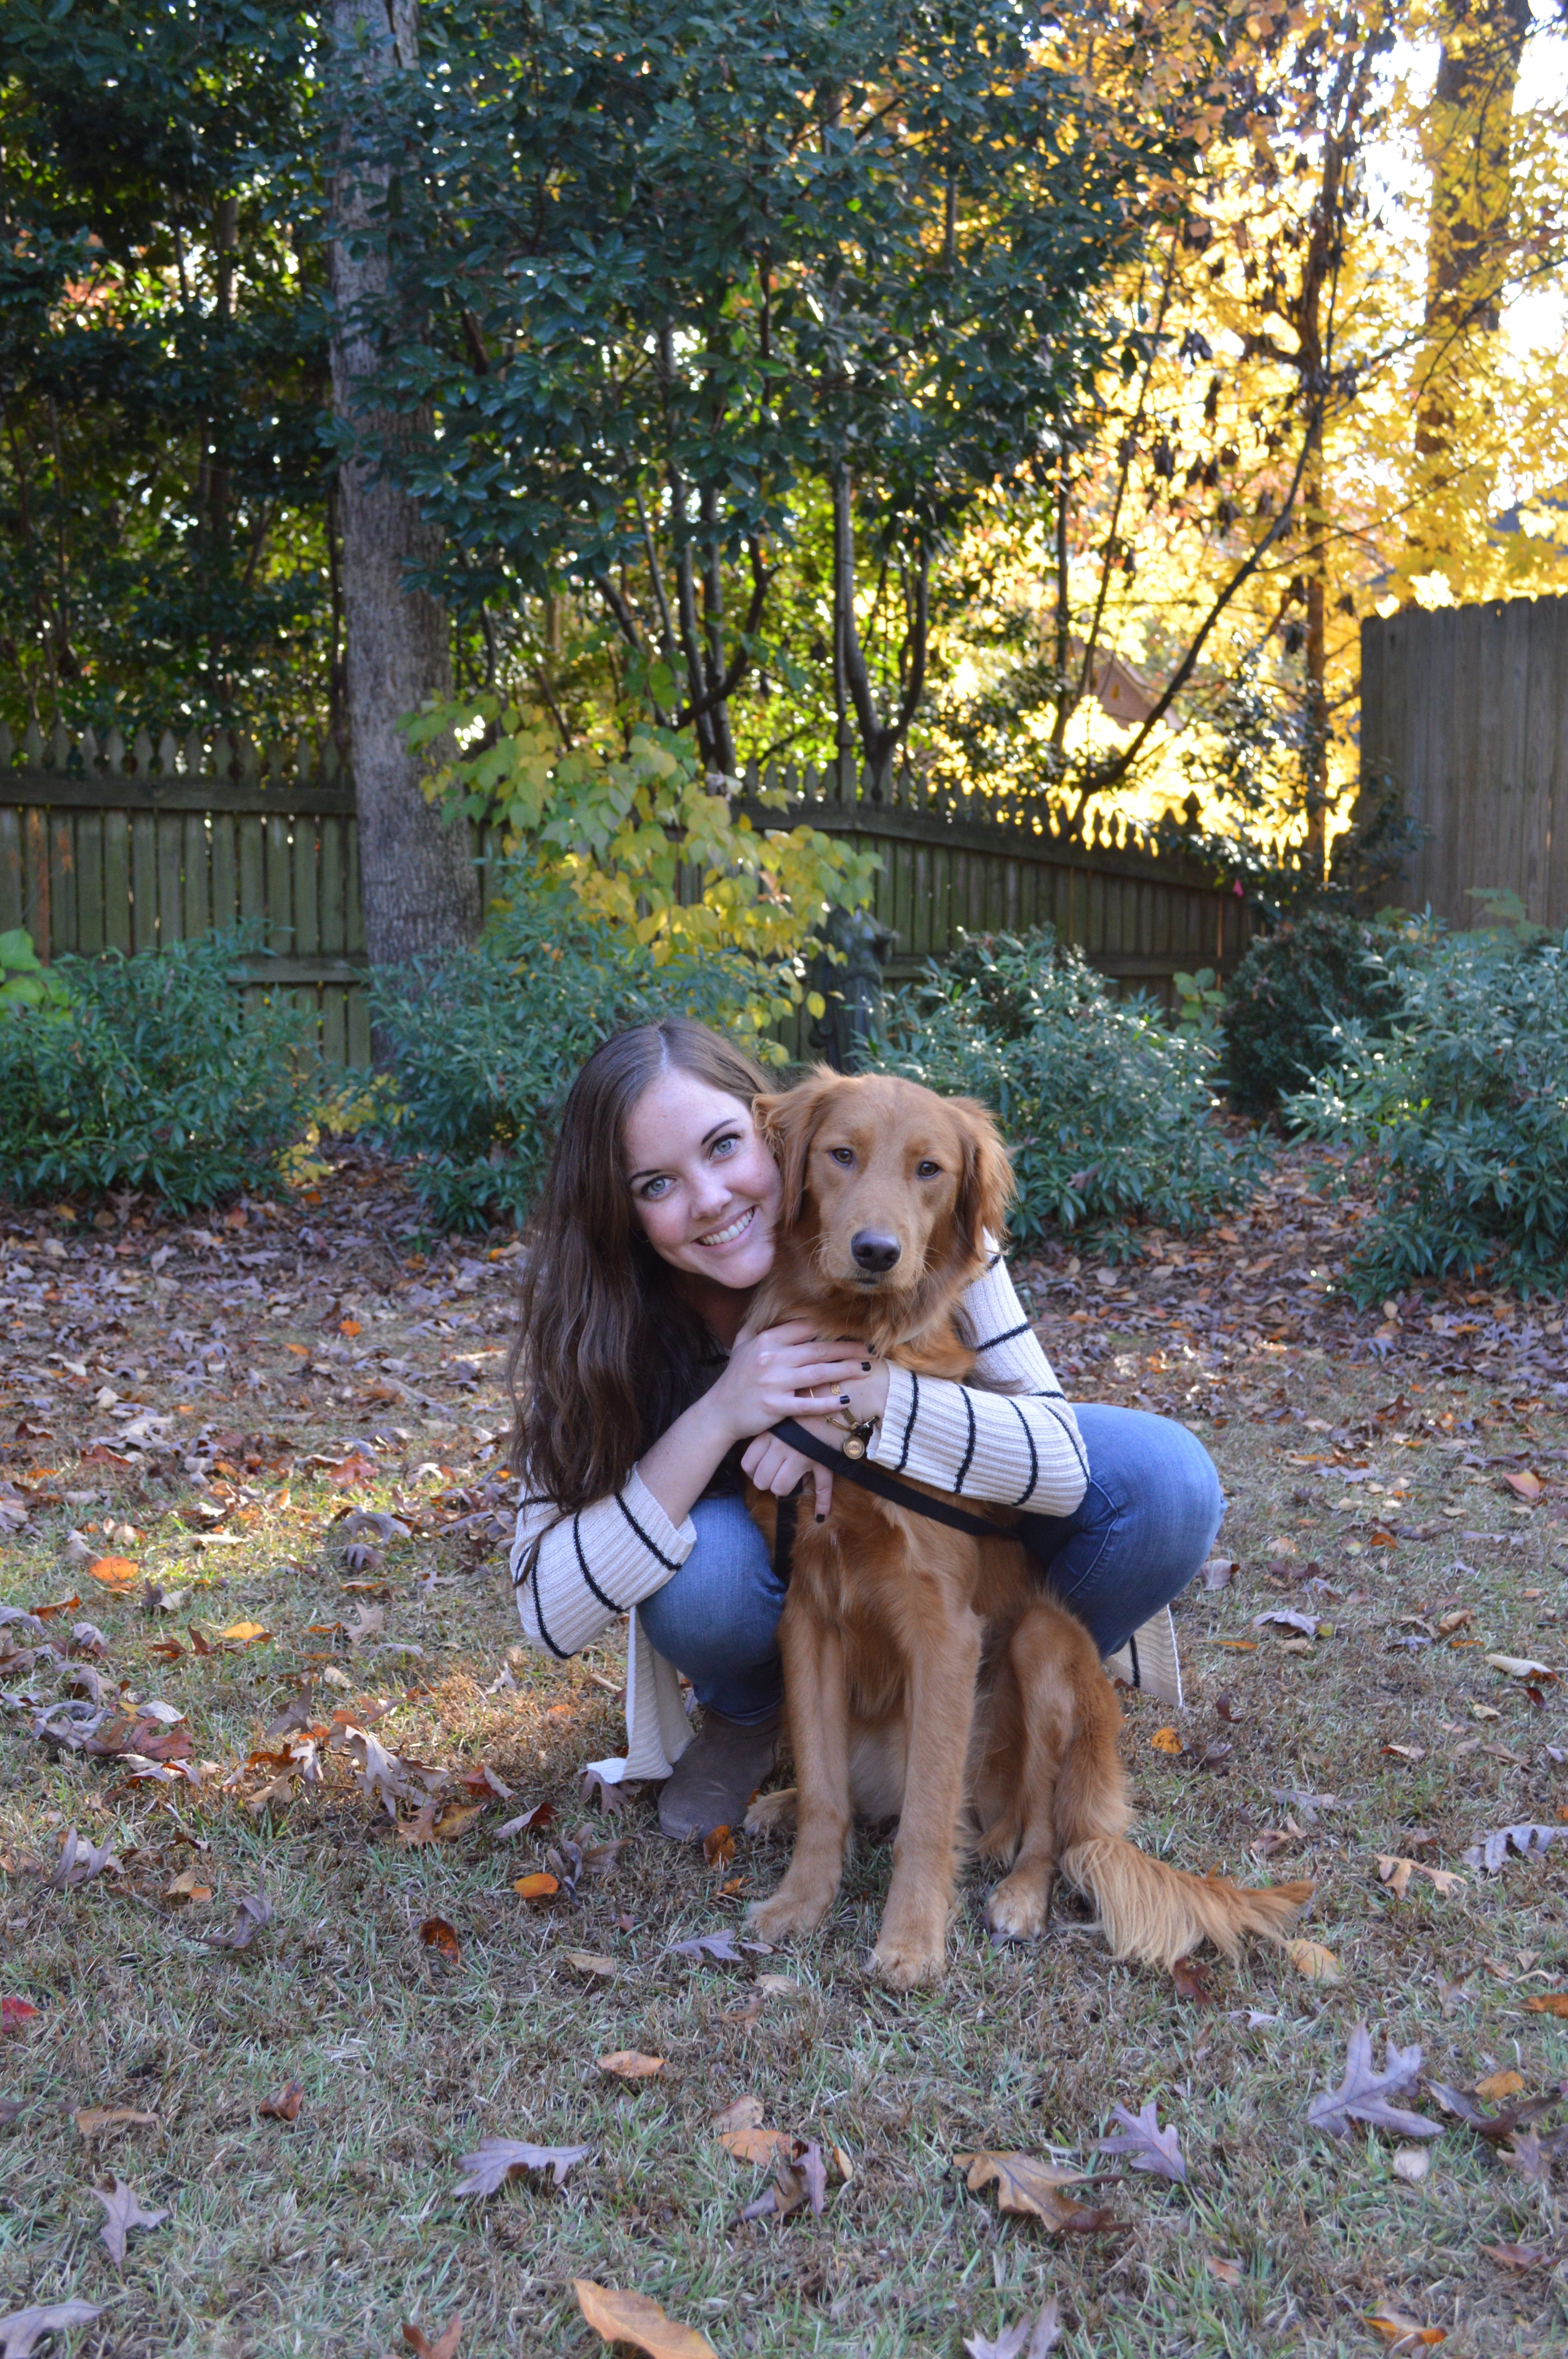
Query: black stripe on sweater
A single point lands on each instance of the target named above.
(669, 1562)
(1028, 1490)
(1007, 1335)
(560, 1653)
(969, 1445)
(609, 1603)
(909, 1427)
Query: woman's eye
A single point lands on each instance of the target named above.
(654, 1191)
(926, 1170)
(727, 1145)
(845, 1154)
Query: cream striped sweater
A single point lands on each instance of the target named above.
(1011, 1438)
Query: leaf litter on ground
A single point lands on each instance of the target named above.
(1146, 2146)
(21, 2332)
(123, 2210)
(1365, 2095)
(1025, 2341)
(497, 2160)
(1033, 2188)
(637, 2319)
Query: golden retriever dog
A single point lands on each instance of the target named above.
(927, 1675)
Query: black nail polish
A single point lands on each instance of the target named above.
(822, 1519)
(865, 1367)
(843, 1401)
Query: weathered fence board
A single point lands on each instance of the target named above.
(104, 848)
(1464, 710)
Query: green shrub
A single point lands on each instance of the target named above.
(1289, 999)
(1465, 1105)
(150, 1072)
(1110, 1117)
(484, 1045)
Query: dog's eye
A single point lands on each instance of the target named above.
(926, 1170)
(845, 1154)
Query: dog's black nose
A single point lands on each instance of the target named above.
(874, 1250)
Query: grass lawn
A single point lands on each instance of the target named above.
(262, 1379)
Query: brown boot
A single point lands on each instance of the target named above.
(716, 1777)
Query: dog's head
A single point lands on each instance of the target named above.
(886, 1186)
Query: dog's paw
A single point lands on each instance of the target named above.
(909, 1961)
(800, 1909)
(1019, 1907)
(771, 1814)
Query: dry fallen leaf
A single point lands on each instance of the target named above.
(633, 2317)
(1227, 2272)
(114, 1571)
(123, 2210)
(1189, 1979)
(1146, 2146)
(1365, 2093)
(1397, 2329)
(253, 1910)
(1548, 2003)
(749, 2142)
(497, 2160)
(437, 1934)
(1031, 2187)
(243, 1633)
(445, 2343)
(1521, 1666)
(187, 1885)
(1166, 1740)
(590, 1962)
(627, 2064)
(1311, 1959)
(1497, 2085)
(743, 2113)
(20, 2334)
(284, 2106)
(1516, 2256)
(1023, 2341)
(1525, 1485)
(94, 2120)
(538, 1886)
(1411, 2163)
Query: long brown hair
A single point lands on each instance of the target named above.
(607, 1354)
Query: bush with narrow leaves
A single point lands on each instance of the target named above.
(1464, 1105)
(486, 1044)
(1110, 1117)
(1291, 996)
(155, 1073)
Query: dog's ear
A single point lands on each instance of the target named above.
(787, 1120)
(987, 1187)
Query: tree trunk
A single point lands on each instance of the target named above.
(417, 880)
(1468, 145)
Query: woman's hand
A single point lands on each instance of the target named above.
(781, 1372)
(773, 1466)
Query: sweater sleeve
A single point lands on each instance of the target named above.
(1011, 1438)
(574, 1575)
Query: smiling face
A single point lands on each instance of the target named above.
(704, 1186)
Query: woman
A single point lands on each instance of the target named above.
(639, 1403)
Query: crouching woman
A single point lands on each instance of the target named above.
(641, 1403)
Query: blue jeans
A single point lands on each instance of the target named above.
(1145, 1523)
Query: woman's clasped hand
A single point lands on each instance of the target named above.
(792, 1372)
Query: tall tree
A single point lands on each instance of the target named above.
(737, 316)
(418, 883)
(162, 368)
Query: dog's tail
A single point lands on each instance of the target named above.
(1147, 1909)
(1157, 1913)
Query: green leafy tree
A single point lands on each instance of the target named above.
(737, 317)
(164, 548)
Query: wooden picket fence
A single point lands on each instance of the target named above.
(108, 846)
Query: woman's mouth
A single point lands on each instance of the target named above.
(716, 1238)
